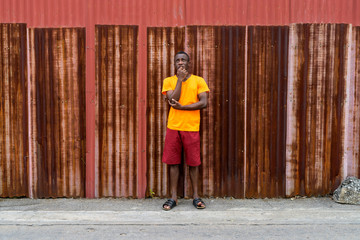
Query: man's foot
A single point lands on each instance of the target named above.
(169, 204)
(199, 203)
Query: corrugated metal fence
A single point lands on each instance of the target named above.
(264, 134)
(289, 137)
(82, 112)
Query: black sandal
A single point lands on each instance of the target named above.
(196, 202)
(171, 203)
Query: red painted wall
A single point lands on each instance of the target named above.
(70, 13)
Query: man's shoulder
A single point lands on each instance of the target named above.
(171, 78)
(198, 79)
(195, 76)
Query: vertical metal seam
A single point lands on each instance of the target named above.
(141, 104)
(344, 158)
(186, 49)
(91, 182)
(30, 173)
(245, 108)
(278, 115)
(98, 85)
(289, 182)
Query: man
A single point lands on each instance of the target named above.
(186, 94)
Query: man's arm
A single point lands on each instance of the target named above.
(202, 103)
(175, 94)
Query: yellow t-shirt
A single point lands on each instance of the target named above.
(185, 120)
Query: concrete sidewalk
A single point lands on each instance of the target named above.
(319, 218)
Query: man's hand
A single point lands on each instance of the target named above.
(182, 73)
(175, 104)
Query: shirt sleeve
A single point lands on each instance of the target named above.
(166, 86)
(202, 86)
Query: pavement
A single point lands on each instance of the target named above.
(224, 218)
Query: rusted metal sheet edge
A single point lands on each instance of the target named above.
(114, 178)
(13, 66)
(350, 156)
(73, 169)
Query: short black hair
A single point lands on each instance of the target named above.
(182, 52)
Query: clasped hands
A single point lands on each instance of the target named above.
(175, 104)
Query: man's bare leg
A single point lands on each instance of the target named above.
(194, 175)
(174, 179)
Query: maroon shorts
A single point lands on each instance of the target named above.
(175, 141)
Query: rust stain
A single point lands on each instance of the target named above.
(266, 111)
(340, 65)
(57, 82)
(356, 118)
(116, 122)
(351, 107)
(318, 69)
(13, 111)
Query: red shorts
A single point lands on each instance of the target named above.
(175, 141)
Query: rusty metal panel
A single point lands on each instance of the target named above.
(340, 128)
(355, 138)
(317, 73)
(218, 55)
(163, 44)
(351, 155)
(116, 112)
(57, 82)
(13, 111)
(266, 111)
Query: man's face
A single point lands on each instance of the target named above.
(181, 60)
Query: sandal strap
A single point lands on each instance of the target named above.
(170, 202)
(196, 201)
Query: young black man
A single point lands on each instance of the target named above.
(186, 94)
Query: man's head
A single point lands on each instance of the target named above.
(182, 59)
